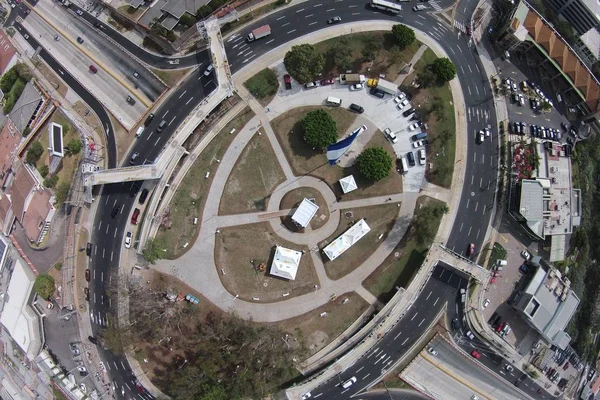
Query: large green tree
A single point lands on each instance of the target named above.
(374, 163)
(426, 222)
(443, 69)
(404, 35)
(303, 62)
(34, 153)
(44, 285)
(320, 130)
(153, 250)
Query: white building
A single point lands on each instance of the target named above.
(346, 240)
(304, 213)
(348, 184)
(285, 263)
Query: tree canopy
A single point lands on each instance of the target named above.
(44, 285)
(374, 163)
(34, 153)
(320, 130)
(443, 69)
(425, 222)
(404, 35)
(153, 250)
(303, 62)
(74, 146)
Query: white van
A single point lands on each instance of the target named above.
(349, 382)
(502, 263)
(404, 165)
(139, 132)
(333, 101)
(422, 157)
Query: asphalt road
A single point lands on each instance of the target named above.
(442, 288)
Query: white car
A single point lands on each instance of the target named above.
(79, 12)
(432, 351)
(422, 157)
(526, 255)
(390, 135)
(209, 70)
(399, 98)
(418, 143)
(513, 86)
(470, 335)
(306, 395)
(403, 104)
(480, 136)
(509, 368)
(83, 388)
(521, 100)
(413, 126)
(102, 367)
(488, 132)
(356, 87)
(128, 240)
(486, 303)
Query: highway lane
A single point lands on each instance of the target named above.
(441, 289)
(474, 213)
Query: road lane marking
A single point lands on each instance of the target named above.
(280, 18)
(188, 102)
(318, 5)
(115, 232)
(166, 114)
(286, 24)
(270, 41)
(366, 376)
(431, 291)
(172, 121)
(331, 9)
(403, 343)
(308, 16)
(414, 316)
(184, 92)
(396, 337)
(352, 6)
(461, 226)
(292, 31)
(320, 394)
(312, 23)
(100, 226)
(436, 300)
(355, 13)
(360, 369)
(300, 10)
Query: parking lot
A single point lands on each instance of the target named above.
(384, 113)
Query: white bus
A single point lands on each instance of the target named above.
(392, 8)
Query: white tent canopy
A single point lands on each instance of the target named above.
(346, 240)
(348, 184)
(285, 263)
(305, 213)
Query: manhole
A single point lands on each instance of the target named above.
(265, 284)
(397, 254)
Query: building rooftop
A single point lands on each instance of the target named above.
(305, 212)
(178, 7)
(18, 317)
(553, 303)
(20, 190)
(7, 52)
(346, 240)
(26, 107)
(55, 133)
(10, 138)
(39, 213)
(285, 263)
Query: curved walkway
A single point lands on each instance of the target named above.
(203, 275)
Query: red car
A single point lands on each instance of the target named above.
(476, 354)
(493, 280)
(499, 327)
(134, 217)
(471, 249)
(566, 366)
(326, 82)
(288, 81)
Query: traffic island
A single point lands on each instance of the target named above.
(294, 198)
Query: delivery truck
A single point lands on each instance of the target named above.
(259, 33)
(351, 79)
(384, 86)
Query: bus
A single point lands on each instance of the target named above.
(386, 6)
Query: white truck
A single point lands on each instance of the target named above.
(259, 33)
(387, 86)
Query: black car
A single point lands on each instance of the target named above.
(115, 211)
(410, 157)
(149, 119)
(377, 92)
(93, 340)
(143, 196)
(415, 117)
(79, 40)
(356, 108)
(130, 100)
(564, 126)
(334, 20)
(88, 249)
(408, 112)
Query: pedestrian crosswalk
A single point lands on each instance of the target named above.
(435, 6)
(460, 26)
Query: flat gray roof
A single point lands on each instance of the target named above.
(531, 204)
(178, 7)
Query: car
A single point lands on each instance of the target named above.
(135, 216)
(79, 12)
(403, 104)
(13, 5)
(93, 69)
(288, 81)
(419, 143)
(149, 119)
(326, 82)
(128, 240)
(93, 340)
(566, 366)
(419, 7)
(408, 112)
(488, 132)
(455, 324)
(102, 367)
(87, 275)
(524, 87)
(81, 369)
(432, 351)
(115, 211)
(500, 327)
(135, 74)
(486, 303)
(334, 20)
(514, 98)
(306, 396)
(390, 135)
(422, 159)
(208, 70)
(56, 37)
(349, 382)
(476, 354)
(310, 85)
(83, 388)
(356, 87)
(377, 92)
(86, 291)
(356, 108)
(401, 96)
(143, 196)
(521, 100)
(523, 268)
(412, 127)
(509, 368)
(133, 158)
(79, 40)
(130, 100)
(26, 36)
(513, 86)
(474, 397)
(410, 157)
(564, 127)
(480, 137)
(471, 249)
(526, 255)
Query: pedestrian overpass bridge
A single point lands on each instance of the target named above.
(173, 150)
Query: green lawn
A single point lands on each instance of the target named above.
(437, 108)
(399, 271)
(263, 86)
(498, 253)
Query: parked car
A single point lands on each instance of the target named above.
(79, 40)
(486, 303)
(128, 240)
(523, 268)
(476, 354)
(310, 85)
(356, 87)
(509, 368)
(377, 92)
(288, 81)
(390, 135)
(525, 254)
(412, 127)
(87, 275)
(432, 351)
(134, 216)
(403, 104)
(470, 335)
(325, 82)
(356, 108)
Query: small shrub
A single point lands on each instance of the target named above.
(43, 170)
